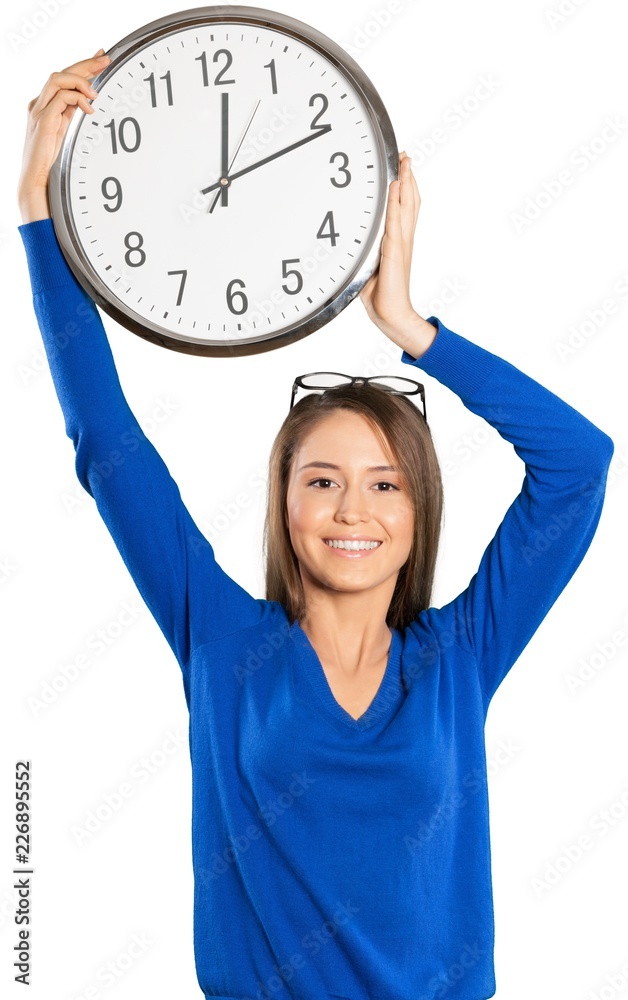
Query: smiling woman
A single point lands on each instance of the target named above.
(356, 432)
(351, 798)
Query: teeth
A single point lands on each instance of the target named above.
(335, 544)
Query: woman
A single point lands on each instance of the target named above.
(340, 826)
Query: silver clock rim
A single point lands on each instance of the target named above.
(92, 283)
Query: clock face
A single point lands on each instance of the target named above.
(228, 188)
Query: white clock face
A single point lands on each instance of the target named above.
(205, 261)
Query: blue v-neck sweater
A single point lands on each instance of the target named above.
(333, 857)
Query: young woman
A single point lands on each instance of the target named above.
(340, 827)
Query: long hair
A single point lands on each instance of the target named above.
(403, 432)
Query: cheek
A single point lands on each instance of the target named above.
(304, 512)
(401, 524)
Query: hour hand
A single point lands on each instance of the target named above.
(273, 156)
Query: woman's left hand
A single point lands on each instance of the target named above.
(386, 295)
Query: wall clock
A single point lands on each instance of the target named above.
(228, 193)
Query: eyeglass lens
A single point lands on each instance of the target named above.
(327, 380)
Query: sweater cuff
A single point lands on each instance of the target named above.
(455, 361)
(47, 266)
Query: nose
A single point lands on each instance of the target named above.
(353, 505)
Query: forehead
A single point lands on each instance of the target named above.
(343, 438)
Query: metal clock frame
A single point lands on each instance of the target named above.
(389, 162)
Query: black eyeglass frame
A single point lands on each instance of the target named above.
(358, 379)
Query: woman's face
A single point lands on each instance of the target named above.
(341, 495)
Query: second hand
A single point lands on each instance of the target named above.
(219, 192)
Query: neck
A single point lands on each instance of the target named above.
(347, 633)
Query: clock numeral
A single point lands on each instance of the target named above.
(285, 273)
(273, 75)
(331, 235)
(223, 52)
(153, 96)
(231, 295)
(314, 123)
(203, 61)
(182, 285)
(117, 194)
(135, 249)
(121, 137)
(343, 170)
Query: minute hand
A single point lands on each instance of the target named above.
(245, 170)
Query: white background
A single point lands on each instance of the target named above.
(557, 758)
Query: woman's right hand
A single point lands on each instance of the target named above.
(49, 115)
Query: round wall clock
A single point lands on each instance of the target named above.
(227, 195)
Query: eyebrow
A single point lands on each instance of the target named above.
(329, 465)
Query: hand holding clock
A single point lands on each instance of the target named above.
(49, 115)
(386, 295)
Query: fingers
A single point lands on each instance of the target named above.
(409, 197)
(402, 209)
(91, 66)
(74, 77)
(65, 99)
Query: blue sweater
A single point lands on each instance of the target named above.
(333, 857)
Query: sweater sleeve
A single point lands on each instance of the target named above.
(547, 529)
(171, 562)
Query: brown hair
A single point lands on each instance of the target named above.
(402, 430)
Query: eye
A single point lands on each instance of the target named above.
(314, 481)
(391, 486)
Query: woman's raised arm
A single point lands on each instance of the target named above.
(192, 599)
(548, 528)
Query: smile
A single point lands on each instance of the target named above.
(350, 548)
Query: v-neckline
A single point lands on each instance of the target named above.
(386, 694)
